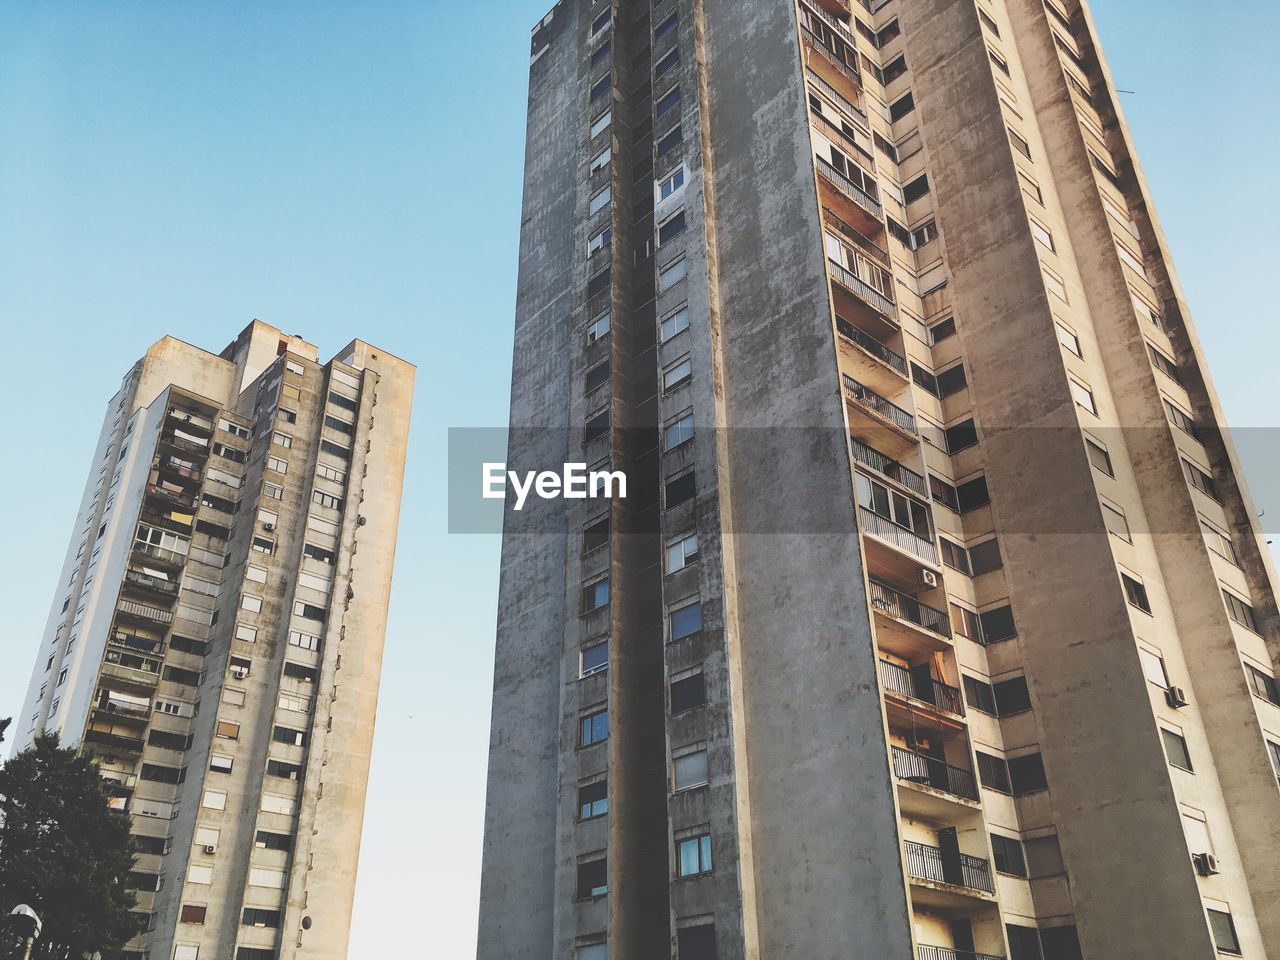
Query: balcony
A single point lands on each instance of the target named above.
(173, 521)
(114, 741)
(144, 581)
(176, 498)
(191, 421)
(851, 191)
(143, 611)
(935, 773)
(131, 641)
(123, 705)
(896, 536)
(815, 44)
(947, 953)
(131, 676)
(171, 557)
(870, 344)
(894, 603)
(961, 870)
(890, 469)
(868, 294)
(848, 141)
(181, 469)
(920, 687)
(839, 26)
(885, 410)
(857, 238)
(168, 438)
(838, 7)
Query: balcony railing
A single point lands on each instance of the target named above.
(132, 641)
(144, 611)
(920, 688)
(125, 708)
(837, 25)
(947, 953)
(891, 469)
(160, 553)
(828, 55)
(181, 443)
(841, 135)
(166, 521)
(145, 581)
(927, 863)
(872, 345)
(850, 189)
(862, 290)
(902, 538)
(935, 773)
(169, 465)
(132, 744)
(856, 237)
(883, 408)
(141, 678)
(906, 607)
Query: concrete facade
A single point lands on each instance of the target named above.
(218, 644)
(973, 655)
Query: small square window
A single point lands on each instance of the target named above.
(691, 770)
(1175, 746)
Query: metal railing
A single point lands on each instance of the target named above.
(159, 553)
(166, 522)
(926, 863)
(862, 290)
(142, 678)
(935, 773)
(917, 687)
(833, 22)
(179, 443)
(890, 469)
(828, 55)
(132, 641)
(170, 465)
(176, 497)
(885, 409)
(850, 189)
(857, 238)
(900, 537)
(144, 611)
(906, 607)
(947, 953)
(147, 582)
(871, 345)
(840, 135)
(124, 707)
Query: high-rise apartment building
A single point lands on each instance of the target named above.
(936, 623)
(216, 637)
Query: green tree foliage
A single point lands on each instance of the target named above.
(65, 852)
(4, 725)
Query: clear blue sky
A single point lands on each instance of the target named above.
(354, 168)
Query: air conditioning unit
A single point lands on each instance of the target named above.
(209, 848)
(268, 527)
(239, 673)
(928, 578)
(1177, 697)
(1206, 864)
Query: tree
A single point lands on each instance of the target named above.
(4, 725)
(65, 852)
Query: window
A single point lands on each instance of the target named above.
(688, 692)
(676, 374)
(1199, 479)
(1024, 148)
(1031, 188)
(601, 123)
(257, 917)
(601, 22)
(594, 658)
(895, 69)
(246, 633)
(1274, 749)
(1263, 685)
(664, 65)
(667, 101)
(593, 879)
(1083, 396)
(1099, 457)
(672, 274)
(326, 500)
(228, 730)
(214, 800)
(985, 557)
(961, 436)
(1001, 64)
(942, 330)
(680, 489)
(696, 943)
(595, 951)
(600, 201)
(1055, 286)
(186, 951)
(1153, 667)
(997, 624)
(285, 771)
(308, 610)
(916, 189)
(671, 228)
(678, 431)
(593, 800)
(686, 621)
(264, 877)
(691, 771)
(299, 671)
(1024, 942)
(1004, 699)
(1219, 542)
(601, 160)
(255, 953)
(1164, 364)
(265, 840)
(954, 556)
(1224, 931)
(670, 141)
(191, 914)
(595, 595)
(666, 28)
(1135, 593)
(263, 545)
(251, 603)
(594, 728)
(1007, 855)
(221, 764)
(902, 106)
(674, 323)
(598, 327)
(988, 22)
(682, 552)
(600, 240)
(1026, 774)
(1175, 748)
(1114, 520)
(693, 856)
(924, 234)
(597, 376)
(1042, 234)
(600, 54)
(952, 380)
